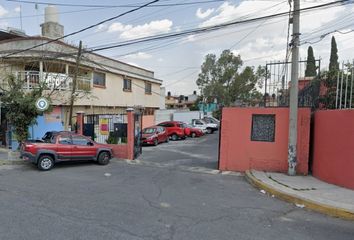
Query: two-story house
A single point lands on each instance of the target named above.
(104, 85)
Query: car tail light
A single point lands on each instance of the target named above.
(28, 147)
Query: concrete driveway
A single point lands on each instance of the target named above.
(189, 153)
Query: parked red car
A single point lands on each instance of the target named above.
(175, 130)
(154, 135)
(65, 146)
(194, 132)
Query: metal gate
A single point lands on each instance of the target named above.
(137, 134)
(106, 128)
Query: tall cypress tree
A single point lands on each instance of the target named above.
(311, 64)
(333, 61)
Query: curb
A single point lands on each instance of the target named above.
(12, 162)
(315, 206)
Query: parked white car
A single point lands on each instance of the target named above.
(210, 119)
(205, 127)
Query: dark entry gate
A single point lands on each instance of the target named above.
(106, 128)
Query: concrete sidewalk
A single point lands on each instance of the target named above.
(306, 191)
(9, 157)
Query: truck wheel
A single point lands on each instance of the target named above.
(103, 158)
(45, 163)
(174, 137)
(193, 135)
(156, 142)
(209, 131)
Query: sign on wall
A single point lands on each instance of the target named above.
(104, 130)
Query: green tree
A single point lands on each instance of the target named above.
(310, 64)
(333, 61)
(221, 79)
(20, 105)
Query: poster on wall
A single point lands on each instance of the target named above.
(104, 126)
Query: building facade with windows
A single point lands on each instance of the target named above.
(103, 85)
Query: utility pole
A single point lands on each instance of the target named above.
(73, 90)
(293, 104)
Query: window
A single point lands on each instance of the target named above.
(166, 124)
(99, 79)
(77, 140)
(127, 85)
(147, 88)
(64, 140)
(197, 122)
(263, 128)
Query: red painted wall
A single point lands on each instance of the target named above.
(333, 149)
(126, 151)
(239, 153)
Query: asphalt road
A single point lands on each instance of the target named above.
(192, 152)
(133, 201)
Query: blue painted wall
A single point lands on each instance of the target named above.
(38, 130)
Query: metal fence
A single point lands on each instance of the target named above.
(59, 81)
(277, 84)
(344, 87)
(106, 128)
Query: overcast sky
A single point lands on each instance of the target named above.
(177, 61)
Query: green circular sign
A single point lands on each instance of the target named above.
(42, 104)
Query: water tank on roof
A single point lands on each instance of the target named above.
(51, 14)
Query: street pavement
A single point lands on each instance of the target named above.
(193, 152)
(126, 201)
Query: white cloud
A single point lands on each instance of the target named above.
(160, 59)
(148, 29)
(119, 27)
(178, 28)
(3, 11)
(101, 28)
(200, 14)
(4, 25)
(250, 9)
(139, 31)
(139, 55)
(190, 38)
(17, 9)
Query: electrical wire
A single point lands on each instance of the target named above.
(205, 29)
(61, 13)
(254, 29)
(84, 29)
(115, 6)
(326, 34)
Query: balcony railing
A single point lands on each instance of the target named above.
(49, 80)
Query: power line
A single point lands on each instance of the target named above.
(84, 29)
(208, 29)
(326, 34)
(61, 13)
(174, 11)
(115, 6)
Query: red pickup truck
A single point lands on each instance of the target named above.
(64, 146)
